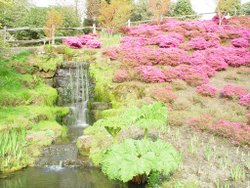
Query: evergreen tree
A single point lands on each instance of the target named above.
(183, 7)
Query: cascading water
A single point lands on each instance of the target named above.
(79, 84)
(72, 82)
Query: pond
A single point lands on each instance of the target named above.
(58, 178)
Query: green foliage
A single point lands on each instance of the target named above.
(18, 116)
(183, 7)
(245, 8)
(28, 116)
(148, 117)
(228, 6)
(21, 56)
(139, 157)
(140, 11)
(152, 116)
(238, 173)
(13, 13)
(102, 73)
(154, 180)
(108, 40)
(48, 62)
(12, 148)
(21, 14)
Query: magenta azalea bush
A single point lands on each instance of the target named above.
(192, 50)
(90, 41)
(150, 74)
(245, 100)
(240, 43)
(206, 90)
(233, 92)
(73, 42)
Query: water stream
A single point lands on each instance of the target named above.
(60, 165)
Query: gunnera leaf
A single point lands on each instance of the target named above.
(139, 157)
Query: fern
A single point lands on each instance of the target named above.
(139, 157)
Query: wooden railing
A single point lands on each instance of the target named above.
(6, 30)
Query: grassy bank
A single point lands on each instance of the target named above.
(28, 115)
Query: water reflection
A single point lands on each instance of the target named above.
(65, 178)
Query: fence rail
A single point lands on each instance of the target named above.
(6, 30)
(94, 29)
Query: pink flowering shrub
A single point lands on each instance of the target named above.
(207, 57)
(73, 42)
(164, 94)
(240, 43)
(111, 52)
(206, 90)
(85, 38)
(90, 41)
(172, 56)
(165, 41)
(236, 132)
(245, 100)
(200, 43)
(233, 92)
(150, 74)
(94, 43)
(216, 20)
(203, 122)
(121, 76)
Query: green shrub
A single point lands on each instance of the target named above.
(182, 8)
(246, 8)
(134, 158)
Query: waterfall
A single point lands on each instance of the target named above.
(79, 83)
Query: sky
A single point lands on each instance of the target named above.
(200, 6)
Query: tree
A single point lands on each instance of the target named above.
(182, 8)
(225, 7)
(114, 14)
(158, 8)
(54, 20)
(246, 8)
(10, 14)
(5, 3)
(92, 11)
(140, 11)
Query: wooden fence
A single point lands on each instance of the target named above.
(94, 29)
(53, 37)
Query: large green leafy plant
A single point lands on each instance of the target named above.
(152, 116)
(138, 158)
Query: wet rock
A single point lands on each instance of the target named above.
(72, 65)
(84, 144)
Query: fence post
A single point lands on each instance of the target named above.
(4, 36)
(53, 35)
(94, 28)
(129, 23)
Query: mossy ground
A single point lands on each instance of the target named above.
(28, 115)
